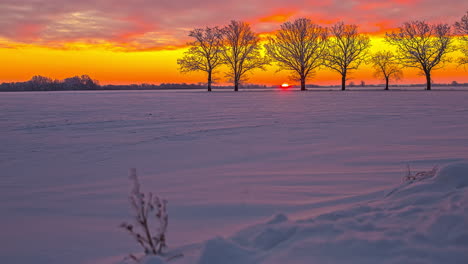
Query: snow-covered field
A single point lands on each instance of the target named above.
(251, 177)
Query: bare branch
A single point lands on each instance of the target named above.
(152, 240)
(241, 51)
(347, 49)
(204, 53)
(421, 175)
(461, 28)
(299, 47)
(386, 66)
(422, 46)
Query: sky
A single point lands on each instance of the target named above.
(139, 41)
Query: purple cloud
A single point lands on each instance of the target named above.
(146, 24)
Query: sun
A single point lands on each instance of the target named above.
(285, 85)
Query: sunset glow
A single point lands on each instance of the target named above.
(246, 131)
(139, 42)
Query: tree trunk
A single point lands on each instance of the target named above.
(303, 84)
(343, 82)
(428, 80)
(209, 81)
(236, 85)
(386, 83)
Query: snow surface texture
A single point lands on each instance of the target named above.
(226, 161)
(420, 222)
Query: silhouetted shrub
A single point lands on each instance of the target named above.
(150, 235)
(420, 175)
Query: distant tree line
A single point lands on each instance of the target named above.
(302, 47)
(84, 82)
(41, 83)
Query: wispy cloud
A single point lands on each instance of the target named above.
(150, 24)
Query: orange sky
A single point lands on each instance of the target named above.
(139, 42)
(120, 67)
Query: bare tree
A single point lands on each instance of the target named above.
(386, 66)
(347, 49)
(461, 27)
(152, 240)
(422, 46)
(241, 51)
(299, 47)
(204, 53)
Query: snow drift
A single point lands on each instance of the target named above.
(423, 221)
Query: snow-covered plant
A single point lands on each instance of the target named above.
(420, 175)
(150, 235)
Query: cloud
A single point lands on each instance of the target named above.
(156, 24)
(83, 25)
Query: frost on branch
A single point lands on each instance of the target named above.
(150, 235)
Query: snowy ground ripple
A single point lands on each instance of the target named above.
(323, 162)
(421, 222)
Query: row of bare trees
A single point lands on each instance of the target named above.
(303, 47)
(235, 46)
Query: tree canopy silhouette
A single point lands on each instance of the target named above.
(461, 27)
(386, 66)
(347, 49)
(83, 82)
(241, 51)
(298, 47)
(422, 46)
(204, 53)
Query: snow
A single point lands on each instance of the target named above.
(453, 176)
(261, 177)
(154, 260)
(424, 222)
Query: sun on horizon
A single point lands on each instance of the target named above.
(128, 43)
